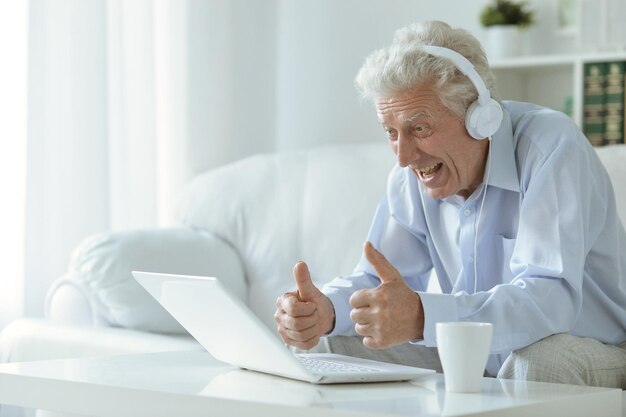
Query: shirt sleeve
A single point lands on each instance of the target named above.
(560, 189)
(403, 249)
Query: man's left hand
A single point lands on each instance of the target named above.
(389, 314)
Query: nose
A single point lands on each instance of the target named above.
(406, 150)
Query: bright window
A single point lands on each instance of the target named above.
(13, 128)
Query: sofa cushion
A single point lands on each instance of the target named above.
(32, 339)
(102, 265)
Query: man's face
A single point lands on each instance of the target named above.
(432, 141)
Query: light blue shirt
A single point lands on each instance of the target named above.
(550, 248)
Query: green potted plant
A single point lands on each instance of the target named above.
(504, 20)
(506, 12)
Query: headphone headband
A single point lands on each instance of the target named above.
(465, 66)
(483, 117)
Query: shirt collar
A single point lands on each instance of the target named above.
(503, 170)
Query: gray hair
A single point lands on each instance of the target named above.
(404, 66)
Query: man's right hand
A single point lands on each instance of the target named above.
(304, 315)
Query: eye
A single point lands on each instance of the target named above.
(422, 131)
(392, 134)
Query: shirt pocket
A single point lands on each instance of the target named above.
(504, 248)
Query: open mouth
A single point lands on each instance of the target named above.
(427, 172)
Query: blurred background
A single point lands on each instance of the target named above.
(109, 107)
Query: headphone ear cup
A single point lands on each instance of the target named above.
(482, 122)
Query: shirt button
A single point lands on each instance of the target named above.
(467, 212)
(470, 259)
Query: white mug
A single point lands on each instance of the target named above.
(463, 349)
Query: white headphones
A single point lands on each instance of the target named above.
(483, 116)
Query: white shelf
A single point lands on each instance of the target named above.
(538, 61)
(548, 80)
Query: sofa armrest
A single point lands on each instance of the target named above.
(39, 339)
(100, 290)
(69, 301)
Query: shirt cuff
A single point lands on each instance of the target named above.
(343, 325)
(437, 308)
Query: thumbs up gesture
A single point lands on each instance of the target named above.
(389, 314)
(303, 315)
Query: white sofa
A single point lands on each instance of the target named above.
(248, 222)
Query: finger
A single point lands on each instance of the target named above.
(303, 335)
(363, 329)
(300, 323)
(371, 343)
(360, 299)
(295, 308)
(361, 315)
(305, 345)
(280, 300)
(386, 272)
(306, 290)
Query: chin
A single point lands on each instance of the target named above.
(436, 194)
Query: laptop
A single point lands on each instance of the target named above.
(232, 333)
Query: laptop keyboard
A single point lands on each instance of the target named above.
(325, 366)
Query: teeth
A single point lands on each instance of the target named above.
(429, 170)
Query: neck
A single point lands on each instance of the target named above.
(481, 163)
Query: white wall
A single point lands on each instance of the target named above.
(231, 70)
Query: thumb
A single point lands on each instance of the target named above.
(386, 271)
(306, 290)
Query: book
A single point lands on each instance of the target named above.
(594, 102)
(614, 103)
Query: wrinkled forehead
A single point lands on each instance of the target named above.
(409, 107)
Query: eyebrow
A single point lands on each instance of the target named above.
(414, 117)
(410, 119)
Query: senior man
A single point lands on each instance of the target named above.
(506, 201)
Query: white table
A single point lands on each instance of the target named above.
(194, 384)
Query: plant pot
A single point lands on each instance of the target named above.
(503, 41)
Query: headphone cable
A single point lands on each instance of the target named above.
(480, 213)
